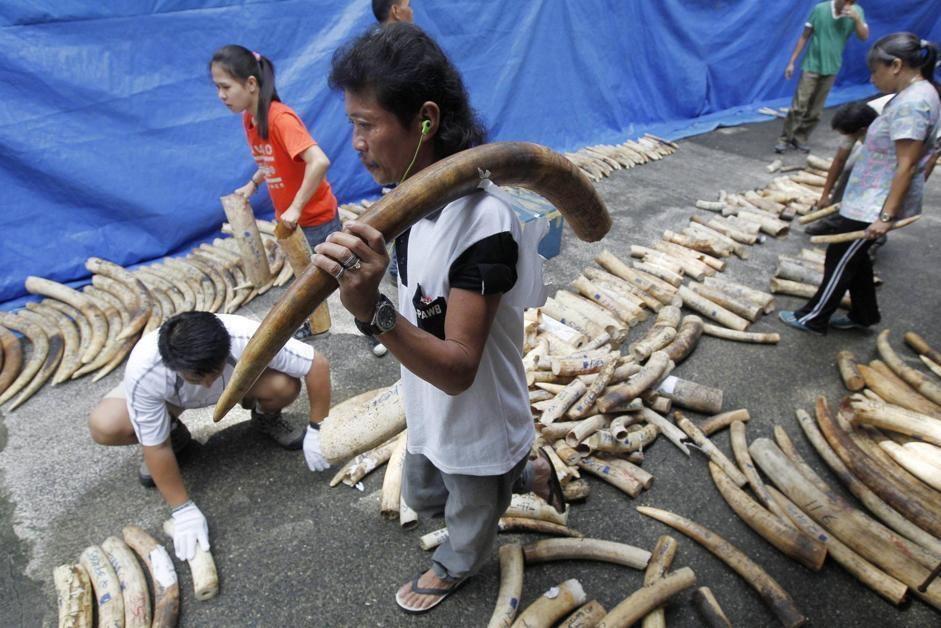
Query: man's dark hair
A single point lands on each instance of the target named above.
(405, 68)
(382, 8)
(853, 117)
(196, 342)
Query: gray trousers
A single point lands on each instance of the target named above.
(807, 106)
(472, 505)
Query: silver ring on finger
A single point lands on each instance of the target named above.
(340, 273)
(352, 262)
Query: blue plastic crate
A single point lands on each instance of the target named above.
(529, 206)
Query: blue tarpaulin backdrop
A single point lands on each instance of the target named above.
(114, 144)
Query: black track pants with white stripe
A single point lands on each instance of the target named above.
(847, 267)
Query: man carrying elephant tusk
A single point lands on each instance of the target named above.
(466, 272)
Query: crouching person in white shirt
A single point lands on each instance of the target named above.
(186, 364)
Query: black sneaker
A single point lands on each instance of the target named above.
(781, 146)
(825, 226)
(804, 148)
(180, 439)
(276, 427)
(303, 332)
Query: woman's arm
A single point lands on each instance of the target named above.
(316, 164)
(253, 184)
(907, 153)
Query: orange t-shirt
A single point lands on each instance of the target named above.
(279, 157)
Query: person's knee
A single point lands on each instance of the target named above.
(109, 424)
(278, 389)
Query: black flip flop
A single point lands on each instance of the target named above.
(556, 496)
(442, 593)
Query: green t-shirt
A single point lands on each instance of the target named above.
(825, 51)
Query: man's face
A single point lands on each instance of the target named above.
(206, 380)
(385, 147)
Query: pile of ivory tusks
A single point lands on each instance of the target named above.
(597, 162)
(109, 581)
(91, 331)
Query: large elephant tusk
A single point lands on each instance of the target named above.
(687, 337)
(912, 377)
(708, 448)
(858, 235)
(362, 422)
(221, 291)
(657, 367)
(919, 346)
(162, 575)
(390, 500)
(787, 539)
(12, 358)
(112, 346)
(660, 561)
(74, 595)
(896, 419)
(511, 586)
(137, 611)
(99, 325)
(771, 592)
(709, 309)
(743, 458)
(202, 568)
(863, 493)
(529, 506)
(71, 337)
(37, 337)
(884, 382)
(526, 165)
(297, 251)
(747, 310)
(106, 585)
(245, 231)
(721, 421)
(505, 524)
(638, 604)
(359, 466)
(49, 363)
(868, 538)
(225, 280)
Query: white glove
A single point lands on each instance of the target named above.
(189, 529)
(312, 453)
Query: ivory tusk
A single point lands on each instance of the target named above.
(743, 458)
(647, 598)
(657, 367)
(697, 243)
(858, 235)
(625, 310)
(162, 575)
(665, 274)
(571, 317)
(585, 428)
(74, 596)
(726, 229)
(390, 499)
(657, 288)
(167, 306)
(918, 344)
(505, 524)
(687, 337)
(771, 592)
(742, 292)
(99, 325)
(40, 342)
(361, 423)
(589, 309)
(526, 165)
(748, 311)
(914, 464)
(712, 310)
(184, 300)
(873, 502)
(576, 490)
(849, 371)
(820, 213)
(586, 615)
(656, 402)
(620, 480)
(721, 421)
(511, 586)
(572, 366)
(203, 285)
(552, 605)
(122, 352)
(657, 257)
(48, 365)
(12, 358)
(674, 434)
(298, 253)
(792, 270)
(624, 289)
(787, 539)
(223, 284)
(529, 506)
(709, 608)
(564, 471)
(361, 465)
(912, 377)
(868, 574)
(655, 339)
(568, 334)
(896, 419)
(112, 346)
(110, 610)
(245, 231)
(628, 468)
(690, 395)
(202, 568)
(563, 401)
(708, 448)
(865, 536)
(604, 441)
(933, 366)
(660, 561)
(797, 289)
(884, 382)
(586, 549)
(714, 263)
(718, 240)
(583, 406)
(137, 612)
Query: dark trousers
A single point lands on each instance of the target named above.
(847, 267)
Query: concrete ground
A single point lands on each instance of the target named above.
(292, 551)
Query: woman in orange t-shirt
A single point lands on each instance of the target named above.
(289, 160)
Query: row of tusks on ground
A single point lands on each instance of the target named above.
(74, 333)
(108, 582)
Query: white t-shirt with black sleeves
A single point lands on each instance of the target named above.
(474, 243)
(150, 386)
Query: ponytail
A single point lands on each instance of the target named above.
(242, 64)
(930, 65)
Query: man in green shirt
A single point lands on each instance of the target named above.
(828, 28)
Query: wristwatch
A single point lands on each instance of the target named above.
(383, 318)
(885, 217)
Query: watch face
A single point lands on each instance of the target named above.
(385, 316)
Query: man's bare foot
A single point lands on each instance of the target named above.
(425, 592)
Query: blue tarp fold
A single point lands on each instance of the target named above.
(114, 144)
